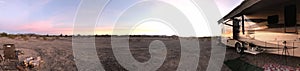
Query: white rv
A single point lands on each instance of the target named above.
(257, 26)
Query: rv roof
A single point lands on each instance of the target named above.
(248, 7)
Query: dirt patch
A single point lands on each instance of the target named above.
(58, 53)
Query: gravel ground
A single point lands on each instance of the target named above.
(58, 55)
(264, 58)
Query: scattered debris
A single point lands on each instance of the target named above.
(26, 61)
(31, 62)
(278, 67)
(9, 59)
(19, 52)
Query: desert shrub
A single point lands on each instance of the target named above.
(61, 35)
(37, 37)
(22, 36)
(57, 37)
(66, 36)
(25, 38)
(12, 36)
(45, 38)
(3, 34)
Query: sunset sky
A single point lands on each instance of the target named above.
(57, 16)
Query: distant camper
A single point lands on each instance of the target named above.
(9, 51)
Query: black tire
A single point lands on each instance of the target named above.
(239, 49)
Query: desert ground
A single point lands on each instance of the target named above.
(57, 53)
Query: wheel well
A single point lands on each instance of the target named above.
(238, 43)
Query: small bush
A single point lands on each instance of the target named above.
(57, 37)
(3, 34)
(12, 36)
(37, 37)
(45, 38)
(61, 35)
(25, 38)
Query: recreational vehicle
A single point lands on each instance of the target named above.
(257, 26)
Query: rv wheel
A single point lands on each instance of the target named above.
(239, 48)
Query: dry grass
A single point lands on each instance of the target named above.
(12, 36)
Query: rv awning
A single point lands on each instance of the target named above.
(248, 7)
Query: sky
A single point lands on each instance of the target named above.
(57, 16)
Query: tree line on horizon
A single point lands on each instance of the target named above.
(4, 34)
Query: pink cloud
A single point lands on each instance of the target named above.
(43, 27)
